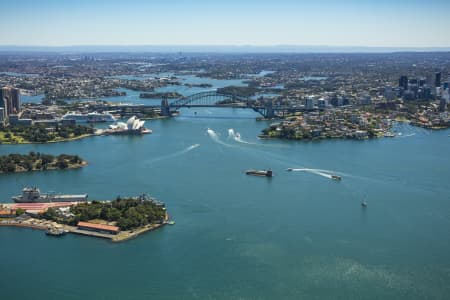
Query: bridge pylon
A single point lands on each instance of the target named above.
(165, 108)
(270, 113)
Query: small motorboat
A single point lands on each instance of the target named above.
(289, 169)
(266, 173)
(364, 204)
(336, 177)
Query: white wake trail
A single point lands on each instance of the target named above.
(313, 171)
(175, 154)
(213, 135)
(237, 137)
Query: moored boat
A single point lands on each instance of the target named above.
(34, 195)
(55, 231)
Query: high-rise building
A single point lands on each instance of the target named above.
(2, 115)
(403, 82)
(10, 100)
(437, 79)
(309, 103)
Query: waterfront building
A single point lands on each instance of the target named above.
(10, 100)
(98, 227)
(15, 120)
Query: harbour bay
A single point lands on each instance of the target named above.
(296, 235)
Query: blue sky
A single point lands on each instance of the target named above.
(378, 23)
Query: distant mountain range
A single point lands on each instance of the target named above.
(219, 49)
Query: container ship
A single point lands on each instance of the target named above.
(33, 195)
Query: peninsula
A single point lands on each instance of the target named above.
(118, 220)
(42, 133)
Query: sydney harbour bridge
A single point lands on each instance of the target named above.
(216, 99)
(265, 107)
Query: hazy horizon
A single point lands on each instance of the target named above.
(218, 48)
(347, 23)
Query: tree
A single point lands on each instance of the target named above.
(20, 211)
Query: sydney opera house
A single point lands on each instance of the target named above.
(132, 126)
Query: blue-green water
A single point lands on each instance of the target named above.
(298, 235)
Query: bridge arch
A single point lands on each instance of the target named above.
(208, 98)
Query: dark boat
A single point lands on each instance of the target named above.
(364, 204)
(266, 173)
(289, 169)
(55, 231)
(336, 177)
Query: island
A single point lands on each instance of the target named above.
(170, 95)
(240, 91)
(200, 85)
(118, 220)
(35, 161)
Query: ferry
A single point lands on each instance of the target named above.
(92, 117)
(266, 173)
(336, 177)
(33, 195)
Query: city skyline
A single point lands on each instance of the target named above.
(401, 24)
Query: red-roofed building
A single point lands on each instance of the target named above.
(7, 213)
(98, 227)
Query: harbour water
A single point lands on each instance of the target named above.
(298, 235)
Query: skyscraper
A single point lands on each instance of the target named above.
(10, 100)
(437, 80)
(403, 82)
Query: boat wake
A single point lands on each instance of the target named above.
(175, 154)
(314, 171)
(213, 135)
(237, 137)
(406, 135)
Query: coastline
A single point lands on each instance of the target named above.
(40, 224)
(55, 141)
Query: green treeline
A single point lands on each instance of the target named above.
(39, 133)
(240, 91)
(37, 161)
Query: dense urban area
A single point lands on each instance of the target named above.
(314, 95)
